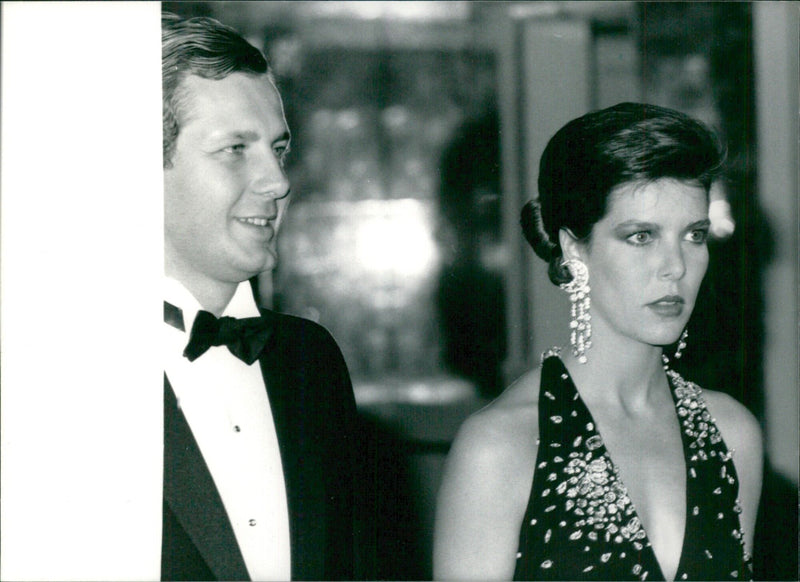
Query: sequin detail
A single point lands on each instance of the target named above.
(581, 523)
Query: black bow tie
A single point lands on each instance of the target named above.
(245, 338)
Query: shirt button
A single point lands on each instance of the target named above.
(252, 522)
(237, 428)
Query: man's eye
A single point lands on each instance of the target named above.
(640, 238)
(281, 152)
(234, 149)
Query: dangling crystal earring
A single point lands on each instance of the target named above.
(581, 321)
(682, 343)
(679, 350)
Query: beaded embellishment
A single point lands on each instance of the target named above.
(581, 522)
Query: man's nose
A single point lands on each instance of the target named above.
(269, 176)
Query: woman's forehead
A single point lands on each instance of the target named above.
(662, 198)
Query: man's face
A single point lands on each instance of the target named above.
(226, 190)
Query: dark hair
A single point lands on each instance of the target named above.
(593, 154)
(203, 47)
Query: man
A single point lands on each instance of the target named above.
(259, 479)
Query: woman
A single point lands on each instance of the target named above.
(603, 463)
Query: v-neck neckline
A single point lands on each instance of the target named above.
(580, 522)
(606, 454)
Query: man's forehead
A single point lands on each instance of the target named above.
(235, 96)
(232, 86)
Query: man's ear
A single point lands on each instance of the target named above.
(571, 247)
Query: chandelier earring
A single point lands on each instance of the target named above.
(680, 348)
(581, 320)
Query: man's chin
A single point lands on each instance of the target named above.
(256, 256)
(270, 260)
(265, 264)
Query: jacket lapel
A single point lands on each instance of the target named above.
(192, 497)
(287, 378)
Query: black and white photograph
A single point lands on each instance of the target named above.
(399, 290)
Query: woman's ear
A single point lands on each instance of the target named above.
(571, 247)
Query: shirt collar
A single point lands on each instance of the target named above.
(242, 304)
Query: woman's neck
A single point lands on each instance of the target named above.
(619, 371)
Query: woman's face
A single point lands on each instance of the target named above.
(647, 257)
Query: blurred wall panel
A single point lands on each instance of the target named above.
(617, 66)
(776, 51)
(556, 87)
(396, 197)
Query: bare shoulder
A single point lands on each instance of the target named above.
(498, 442)
(741, 432)
(485, 487)
(740, 429)
(497, 426)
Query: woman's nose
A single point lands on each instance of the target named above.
(673, 264)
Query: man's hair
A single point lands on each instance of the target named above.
(203, 47)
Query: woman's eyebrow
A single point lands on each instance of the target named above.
(633, 223)
(705, 223)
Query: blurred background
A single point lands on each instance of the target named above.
(417, 130)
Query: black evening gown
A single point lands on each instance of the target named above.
(580, 523)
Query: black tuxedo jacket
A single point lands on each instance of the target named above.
(315, 419)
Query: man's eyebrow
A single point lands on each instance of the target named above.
(246, 135)
(234, 134)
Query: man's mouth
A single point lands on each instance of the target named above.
(259, 228)
(255, 221)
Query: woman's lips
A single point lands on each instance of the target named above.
(668, 306)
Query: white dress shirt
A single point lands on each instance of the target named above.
(226, 405)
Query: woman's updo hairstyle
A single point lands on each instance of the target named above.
(593, 154)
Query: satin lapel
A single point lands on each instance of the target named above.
(282, 415)
(286, 380)
(191, 494)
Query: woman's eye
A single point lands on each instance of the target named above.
(640, 238)
(698, 236)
